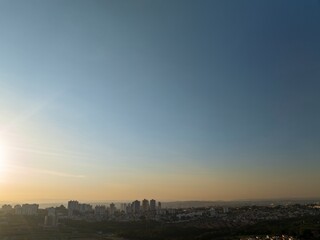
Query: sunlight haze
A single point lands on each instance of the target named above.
(192, 100)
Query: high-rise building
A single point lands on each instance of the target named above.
(129, 209)
(17, 209)
(145, 205)
(51, 211)
(152, 205)
(85, 208)
(26, 209)
(112, 209)
(29, 209)
(73, 206)
(123, 207)
(100, 210)
(136, 207)
(51, 220)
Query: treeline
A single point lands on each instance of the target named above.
(304, 228)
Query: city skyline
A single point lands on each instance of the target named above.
(180, 100)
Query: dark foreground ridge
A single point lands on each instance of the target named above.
(281, 222)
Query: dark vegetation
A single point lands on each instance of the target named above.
(31, 228)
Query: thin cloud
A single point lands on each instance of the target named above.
(45, 171)
(58, 153)
(30, 112)
(60, 174)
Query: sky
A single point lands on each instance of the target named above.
(172, 100)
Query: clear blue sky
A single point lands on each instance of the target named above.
(158, 90)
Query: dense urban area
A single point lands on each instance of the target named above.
(150, 220)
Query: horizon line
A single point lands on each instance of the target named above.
(55, 201)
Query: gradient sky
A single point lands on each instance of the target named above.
(173, 100)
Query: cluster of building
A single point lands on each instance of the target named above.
(145, 209)
(84, 211)
(123, 211)
(24, 209)
(51, 219)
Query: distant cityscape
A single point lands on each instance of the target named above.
(211, 217)
(152, 210)
(84, 211)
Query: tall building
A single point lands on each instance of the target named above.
(123, 207)
(17, 209)
(145, 205)
(129, 209)
(152, 205)
(26, 209)
(51, 220)
(136, 207)
(100, 210)
(29, 209)
(112, 209)
(85, 208)
(73, 206)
